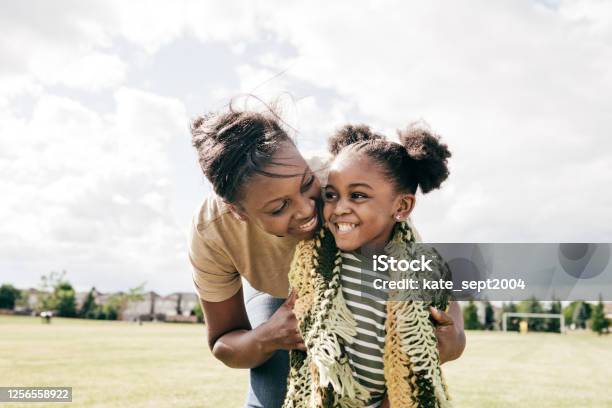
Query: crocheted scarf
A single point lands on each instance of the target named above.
(322, 377)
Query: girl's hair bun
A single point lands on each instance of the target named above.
(350, 134)
(428, 154)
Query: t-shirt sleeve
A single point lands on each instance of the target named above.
(215, 277)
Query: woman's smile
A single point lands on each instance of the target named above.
(309, 225)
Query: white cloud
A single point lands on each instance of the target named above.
(517, 90)
(83, 192)
(90, 72)
(57, 43)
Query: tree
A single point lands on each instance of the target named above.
(116, 304)
(22, 300)
(197, 312)
(568, 312)
(66, 299)
(470, 317)
(489, 316)
(89, 308)
(8, 296)
(57, 294)
(532, 305)
(599, 323)
(179, 302)
(513, 322)
(582, 313)
(554, 325)
(46, 295)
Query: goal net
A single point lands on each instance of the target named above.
(526, 316)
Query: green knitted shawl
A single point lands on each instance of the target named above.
(322, 376)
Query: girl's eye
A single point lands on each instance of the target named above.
(280, 209)
(358, 196)
(329, 196)
(307, 185)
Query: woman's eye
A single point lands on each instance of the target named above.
(307, 185)
(280, 209)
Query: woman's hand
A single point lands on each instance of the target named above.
(449, 332)
(281, 331)
(232, 340)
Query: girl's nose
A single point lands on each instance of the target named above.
(341, 208)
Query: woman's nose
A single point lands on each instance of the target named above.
(306, 208)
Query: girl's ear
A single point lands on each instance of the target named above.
(405, 205)
(237, 212)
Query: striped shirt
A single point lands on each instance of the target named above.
(369, 309)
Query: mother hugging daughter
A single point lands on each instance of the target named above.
(266, 200)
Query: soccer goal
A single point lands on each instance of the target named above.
(506, 315)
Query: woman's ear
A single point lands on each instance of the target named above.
(405, 205)
(237, 212)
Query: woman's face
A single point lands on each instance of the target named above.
(283, 206)
(360, 204)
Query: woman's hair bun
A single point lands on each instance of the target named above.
(429, 156)
(350, 134)
(233, 146)
(203, 129)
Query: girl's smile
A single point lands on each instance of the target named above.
(344, 227)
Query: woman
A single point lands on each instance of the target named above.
(266, 200)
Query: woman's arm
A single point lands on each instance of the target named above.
(449, 332)
(232, 340)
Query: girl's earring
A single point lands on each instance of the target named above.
(398, 218)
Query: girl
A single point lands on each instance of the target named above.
(360, 351)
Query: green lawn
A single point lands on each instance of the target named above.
(117, 364)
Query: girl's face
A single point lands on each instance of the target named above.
(361, 205)
(283, 206)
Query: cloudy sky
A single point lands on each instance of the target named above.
(98, 177)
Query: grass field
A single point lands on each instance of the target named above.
(118, 364)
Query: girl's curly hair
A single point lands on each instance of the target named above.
(419, 160)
